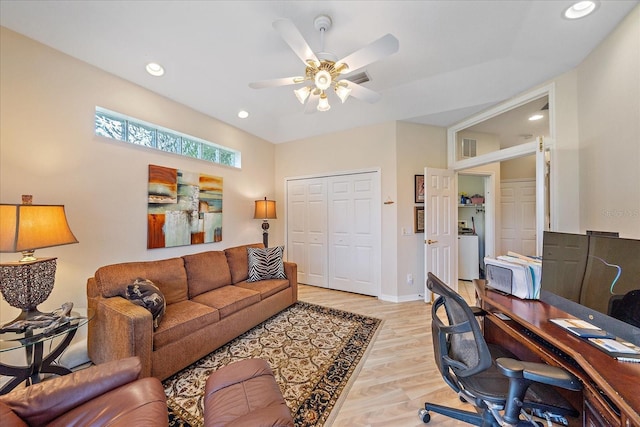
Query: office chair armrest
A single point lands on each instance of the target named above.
(538, 372)
(477, 311)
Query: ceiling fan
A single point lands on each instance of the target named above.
(323, 71)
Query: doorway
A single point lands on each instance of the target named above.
(472, 234)
(509, 133)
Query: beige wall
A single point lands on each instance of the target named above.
(608, 97)
(417, 146)
(48, 149)
(371, 147)
(518, 168)
(565, 179)
(400, 151)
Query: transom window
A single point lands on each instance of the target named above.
(128, 129)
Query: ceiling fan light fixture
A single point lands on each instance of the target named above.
(322, 79)
(302, 94)
(343, 91)
(323, 103)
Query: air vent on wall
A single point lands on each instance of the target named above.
(468, 147)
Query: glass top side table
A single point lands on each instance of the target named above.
(33, 342)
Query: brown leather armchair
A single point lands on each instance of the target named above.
(107, 394)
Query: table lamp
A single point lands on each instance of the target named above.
(24, 228)
(265, 210)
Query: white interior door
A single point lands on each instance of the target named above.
(307, 229)
(354, 232)
(440, 227)
(518, 217)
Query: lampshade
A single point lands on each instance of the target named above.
(343, 92)
(302, 94)
(265, 209)
(24, 228)
(323, 103)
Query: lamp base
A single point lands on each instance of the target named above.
(25, 315)
(24, 285)
(265, 233)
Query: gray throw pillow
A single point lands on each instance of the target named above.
(146, 294)
(265, 263)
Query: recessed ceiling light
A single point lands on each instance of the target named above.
(243, 114)
(155, 69)
(536, 117)
(580, 9)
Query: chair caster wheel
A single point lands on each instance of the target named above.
(424, 416)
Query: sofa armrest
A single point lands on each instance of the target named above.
(42, 402)
(119, 329)
(291, 271)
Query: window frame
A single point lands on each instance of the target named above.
(182, 144)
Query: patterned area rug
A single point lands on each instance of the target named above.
(312, 350)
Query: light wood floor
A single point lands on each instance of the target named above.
(399, 373)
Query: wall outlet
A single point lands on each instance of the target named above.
(409, 279)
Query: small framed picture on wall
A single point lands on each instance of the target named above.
(418, 219)
(419, 188)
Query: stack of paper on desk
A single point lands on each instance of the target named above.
(514, 274)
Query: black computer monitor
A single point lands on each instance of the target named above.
(594, 272)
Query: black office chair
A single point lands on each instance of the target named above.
(491, 378)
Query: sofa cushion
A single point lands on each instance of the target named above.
(206, 271)
(228, 299)
(144, 293)
(265, 287)
(181, 319)
(265, 263)
(168, 275)
(238, 262)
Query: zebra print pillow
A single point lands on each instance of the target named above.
(265, 263)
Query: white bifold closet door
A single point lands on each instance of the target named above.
(333, 231)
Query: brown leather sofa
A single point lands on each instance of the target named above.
(110, 394)
(245, 394)
(209, 303)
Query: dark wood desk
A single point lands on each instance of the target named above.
(611, 392)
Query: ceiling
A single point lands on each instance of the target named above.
(456, 58)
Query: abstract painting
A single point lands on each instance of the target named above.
(184, 208)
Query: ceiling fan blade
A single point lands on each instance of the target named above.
(362, 93)
(384, 46)
(292, 36)
(276, 82)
